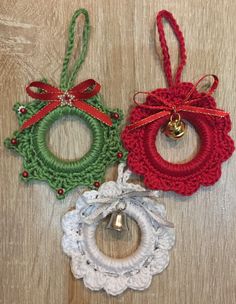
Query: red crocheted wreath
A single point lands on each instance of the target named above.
(199, 109)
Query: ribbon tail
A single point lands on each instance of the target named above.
(94, 215)
(40, 114)
(94, 112)
(159, 219)
(148, 120)
(205, 111)
(99, 211)
(155, 214)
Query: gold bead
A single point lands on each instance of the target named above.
(175, 128)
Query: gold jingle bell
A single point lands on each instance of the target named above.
(118, 219)
(175, 128)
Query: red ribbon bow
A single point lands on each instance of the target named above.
(73, 97)
(168, 108)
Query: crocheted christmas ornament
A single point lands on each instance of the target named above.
(180, 100)
(50, 104)
(100, 271)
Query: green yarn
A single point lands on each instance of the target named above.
(39, 162)
(64, 165)
(68, 78)
(42, 165)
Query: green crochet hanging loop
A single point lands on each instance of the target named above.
(39, 163)
(68, 78)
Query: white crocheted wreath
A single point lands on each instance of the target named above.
(103, 272)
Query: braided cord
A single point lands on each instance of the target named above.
(67, 79)
(172, 80)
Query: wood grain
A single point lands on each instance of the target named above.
(124, 57)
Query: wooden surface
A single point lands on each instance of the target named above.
(123, 57)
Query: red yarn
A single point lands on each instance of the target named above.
(216, 145)
(165, 51)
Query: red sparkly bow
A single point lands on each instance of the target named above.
(168, 108)
(73, 97)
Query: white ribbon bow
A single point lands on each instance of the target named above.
(98, 208)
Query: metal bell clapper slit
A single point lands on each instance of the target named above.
(176, 128)
(118, 219)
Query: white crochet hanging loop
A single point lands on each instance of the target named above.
(103, 272)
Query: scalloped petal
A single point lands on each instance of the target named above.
(160, 261)
(116, 285)
(141, 280)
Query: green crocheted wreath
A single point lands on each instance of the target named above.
(39, 162)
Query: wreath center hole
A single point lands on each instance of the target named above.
(69, 138)
(178, 151)
(117, 244)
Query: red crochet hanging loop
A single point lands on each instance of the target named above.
(198, 108)
(165, 51)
